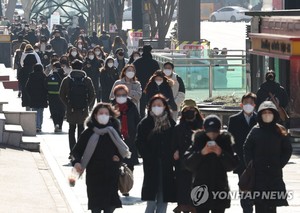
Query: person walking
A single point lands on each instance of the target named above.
(160, 84)
(239, 125)
(17, 65)
(77, 93)
(59, 44)
(271, 90)
(57, 108)
(105, 42)
(190, 121)
(108, 76)
(117, 44)
(100, 151)
(209, 159)
(37, 92)
(129, 79)
(92, 67)
(269, 149)
(145, 68)
(154, 143)
(129, 118)
(178, 87)
(120, 61)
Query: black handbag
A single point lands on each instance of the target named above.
(247, 179)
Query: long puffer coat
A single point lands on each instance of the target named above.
(211, 170)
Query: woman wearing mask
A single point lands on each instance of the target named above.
(154, 143)
(268, 147)
(74, 54)
(108, 76)
(101, 157)
(117, 44)
(158, 83)
(135, 55)
(190, 121)
(100, 53)
(65, 64)
(129, 79)
(129, 119)
(209, 159)
(178, 87)
(92, 67)
(37, 92)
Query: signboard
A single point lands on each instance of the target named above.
(196, 48)
(133, 40)
(54, 20)
(288, 47)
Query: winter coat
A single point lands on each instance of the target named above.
(164, 89)
(36, 89)
(270, 152)
(116, 64)
(134, 87)
(92, 69)
(123, 46)
(145, 67)
(182, 140)
(45, 32)
(102, 172)
(76, 116)
(31, 37)
(133, 119)
(211, 170)
(275, 88)
(31, 52)
(108, 76)
(59, 45)
(156, 148)
(239, 128)
(178, 90)
(29, 62)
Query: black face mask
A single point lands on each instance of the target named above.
(189, 114)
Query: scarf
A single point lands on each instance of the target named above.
(93, 141)
(123, 108)
(161, 122)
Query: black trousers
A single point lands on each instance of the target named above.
(72, 129)
(212, 211)
(143, 104)
(261, 208)
(57, 110)
(107, 210)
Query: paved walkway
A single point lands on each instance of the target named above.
(27, 183)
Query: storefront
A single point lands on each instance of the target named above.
(276, 45)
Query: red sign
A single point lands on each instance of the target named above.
(277, 4)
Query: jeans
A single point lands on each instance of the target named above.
(107, 210)
(159, 205)
(261, 208)
(39, 117)
(72, 129)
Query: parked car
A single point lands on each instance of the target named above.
(230, 13)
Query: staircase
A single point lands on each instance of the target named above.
(17, 126)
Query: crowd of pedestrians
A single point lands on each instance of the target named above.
(128, 107)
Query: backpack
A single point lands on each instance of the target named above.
(53, 84)
(78, 93)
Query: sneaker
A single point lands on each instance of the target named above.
(38, 130)
(19, 94)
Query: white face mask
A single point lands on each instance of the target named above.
(74, 53)
(110, 65)
(103, 119)
(130, 74)
(167, 72)
(135, 58)
(121, 100)
(157, 110)
(80, 46)
(158, 82)
(91, 57)
(97, 52)
(267, 118)
(248, 108)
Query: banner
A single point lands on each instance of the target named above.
(134, 37)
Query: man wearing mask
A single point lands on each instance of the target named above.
(145, 68)
(270, 90)
(120, 61)
(239, 126)
(105, 42)
(59, 44)
(94, 39)
(45, 31)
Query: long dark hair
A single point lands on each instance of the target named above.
(123, 72)
(152, 79)
(165, 103)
